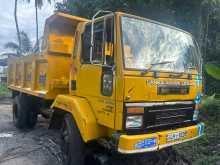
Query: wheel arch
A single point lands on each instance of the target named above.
(83, 115)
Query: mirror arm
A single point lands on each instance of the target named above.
(92, 31)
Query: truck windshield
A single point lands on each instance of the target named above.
(146, 44)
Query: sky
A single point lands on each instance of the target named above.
(26, 20)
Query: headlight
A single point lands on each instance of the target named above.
(134, 121)
(196, 111)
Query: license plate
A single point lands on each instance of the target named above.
(176, 136)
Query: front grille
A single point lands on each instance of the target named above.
(167, 115)
(173, 90)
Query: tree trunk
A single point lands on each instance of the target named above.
(36, 18)
(206, 35)
(17, 27)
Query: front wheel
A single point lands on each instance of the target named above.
(73, 146)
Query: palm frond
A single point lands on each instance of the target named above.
(26, 45)
(11, 45)
(39, 3)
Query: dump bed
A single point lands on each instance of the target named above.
(47, 74)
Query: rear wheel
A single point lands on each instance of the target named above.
(32, 117)
(32, 113)
(19, 112)
(24, 112)
(73, 146)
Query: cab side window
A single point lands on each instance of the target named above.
(103, 39)
(98, 42)
(86, 42)
(97, 46)
(109, 41)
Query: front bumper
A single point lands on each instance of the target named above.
(129, 144)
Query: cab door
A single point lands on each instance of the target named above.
(95, 76)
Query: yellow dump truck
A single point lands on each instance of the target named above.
(117, 82)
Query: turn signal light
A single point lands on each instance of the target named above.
(134, 110)
(198, 106)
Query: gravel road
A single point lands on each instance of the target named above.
(41, 145)
(29, 147)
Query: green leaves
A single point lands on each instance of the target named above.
(26, 45)
(11, 45)
(4, 91)
(213, 70)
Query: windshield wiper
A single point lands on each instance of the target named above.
(154, 64)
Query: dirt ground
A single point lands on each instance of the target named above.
(41, 145)
(30, 147)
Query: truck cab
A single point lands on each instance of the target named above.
(142, 79)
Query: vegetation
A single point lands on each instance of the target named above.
(4, 92)
(38, 5)
(16, 24)
(24, 47)
(205, 151)
(18, 46)
(213, 70)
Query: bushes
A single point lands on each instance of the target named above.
(206, 150)
(4, 92)
(210, 108)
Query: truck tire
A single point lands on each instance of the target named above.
(32, 113)
(32, 117)
(19, 112)
(73, 146)
(24, 112)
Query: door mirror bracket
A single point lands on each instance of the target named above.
(92, 32)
